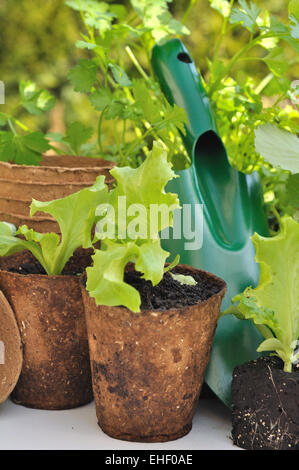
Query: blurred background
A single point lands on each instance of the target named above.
(37, 42)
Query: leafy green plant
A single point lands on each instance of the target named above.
(144, 185)
(134, 236)
(237, 99)
(244, 102)
(273, 306)
(75, 215)
(132, 103)
(76, 140)
(281, 149)
(17, 142)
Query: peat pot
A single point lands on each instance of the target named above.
(50, 315)
(148, 368)
(55, 178)
(265, 405)
(10, 349)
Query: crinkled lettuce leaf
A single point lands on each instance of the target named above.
(75, 215)
(105, 279)
(144, 185)
(274, 304)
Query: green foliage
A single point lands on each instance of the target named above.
(292, 191)
(135, 238)
(273, 306)
(75, 215)
(136, 106)
(294, 18)
(22, 149)
(247, 102)
(247, 14)
(157, 19)
(278, 147)
(142, 186)
(83, 75)
(35, 101)
(25, 148)
(281, 149)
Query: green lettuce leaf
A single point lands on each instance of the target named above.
(34, 242)
(143, 186)
(105, 279)
(75, 215)
(275, 301)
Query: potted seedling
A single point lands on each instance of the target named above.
(265, 392)
(39, 278)
(150, 325)
(27, 173)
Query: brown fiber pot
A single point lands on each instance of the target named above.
(56, 177)
(148, 368)
(50, 316)
(11, 357)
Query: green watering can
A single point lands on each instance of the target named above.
(233, 210)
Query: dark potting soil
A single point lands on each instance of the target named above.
(170, 293)
(36, 268)
(26, 263)
(265, 405)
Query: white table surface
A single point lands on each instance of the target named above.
(26, 429)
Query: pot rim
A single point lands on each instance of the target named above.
(47, 185)
(222, 291)
(42, 276)
(34, 218)
(92, 168)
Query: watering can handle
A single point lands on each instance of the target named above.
(182, 85)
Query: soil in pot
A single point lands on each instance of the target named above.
(148, 368)
(265, 409)
(50, 316)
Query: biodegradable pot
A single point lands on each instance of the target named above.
(148, 368)
(265, 409)
(56, 177)
(50, 316)
(10, 350)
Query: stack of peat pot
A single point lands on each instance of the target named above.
(56, 177)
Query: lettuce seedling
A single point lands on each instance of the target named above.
(144, 186)
(75, 215)
(273, 306)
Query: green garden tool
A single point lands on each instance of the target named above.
(233, 210)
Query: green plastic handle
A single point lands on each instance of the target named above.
(232, 205)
